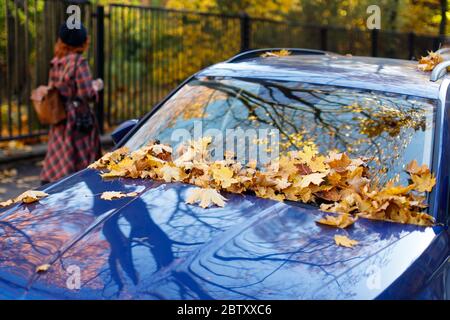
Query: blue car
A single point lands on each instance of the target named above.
(155, 246)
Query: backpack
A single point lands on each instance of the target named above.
(48, 104)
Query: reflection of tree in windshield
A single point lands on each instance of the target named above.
(362, 123)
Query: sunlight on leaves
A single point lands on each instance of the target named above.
(336, 182)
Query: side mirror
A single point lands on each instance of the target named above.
(122, 130)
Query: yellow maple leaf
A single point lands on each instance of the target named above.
(31, 196)
(207, 197)
(430, 61)
(338, 161)
(6, 203)
(414, 168)
(124, 164)
(42, 268)
(170, 173)
(112, 195)
(342, 183)
(317, 164)
(223, 176)
(281, 53)
(313, 178)
(282, 183)
(424, 182)
(306, 154)
(344, 241)
(160, 148)
(340, 221)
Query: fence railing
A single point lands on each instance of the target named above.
(144, 52)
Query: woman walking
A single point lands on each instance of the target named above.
(73, 143)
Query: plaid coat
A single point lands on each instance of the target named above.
(70, 149)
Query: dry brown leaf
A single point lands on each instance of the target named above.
(344, 241)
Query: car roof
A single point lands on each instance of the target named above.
(383, 74)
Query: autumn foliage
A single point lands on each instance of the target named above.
(338, 183)
(428, 62)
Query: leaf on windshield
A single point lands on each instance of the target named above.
(338, 183)
(112, 195)
(223, 176)
(171, 173)
(340, 221)
(430, 61)
(424, 182)
(414, 168)
(344, 241)
(206, 198)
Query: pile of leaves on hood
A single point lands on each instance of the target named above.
(338, 183)
(430, 61)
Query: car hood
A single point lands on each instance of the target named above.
(155, 246)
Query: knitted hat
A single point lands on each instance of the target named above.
(72, 37)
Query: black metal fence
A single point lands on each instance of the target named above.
(143, 52)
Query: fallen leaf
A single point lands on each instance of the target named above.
(314, 178)
(340, 221)
(206, 197)
(160, 148)
(342, 184)
(171, 173)
(223, 176)
(344, 241)
(112, 195)
(338, 161)
(281, 53)
(6, 203)
(42, 268)
(414, 168)
(430, 61)
(31, 196)
(424, 182)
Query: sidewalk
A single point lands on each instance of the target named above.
(19, 169)
(38, 150)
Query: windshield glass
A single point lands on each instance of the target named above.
(389, 129)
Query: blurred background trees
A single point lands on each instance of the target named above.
(148, 52)
(419, 16)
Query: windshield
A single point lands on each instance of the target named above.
(389, 129)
